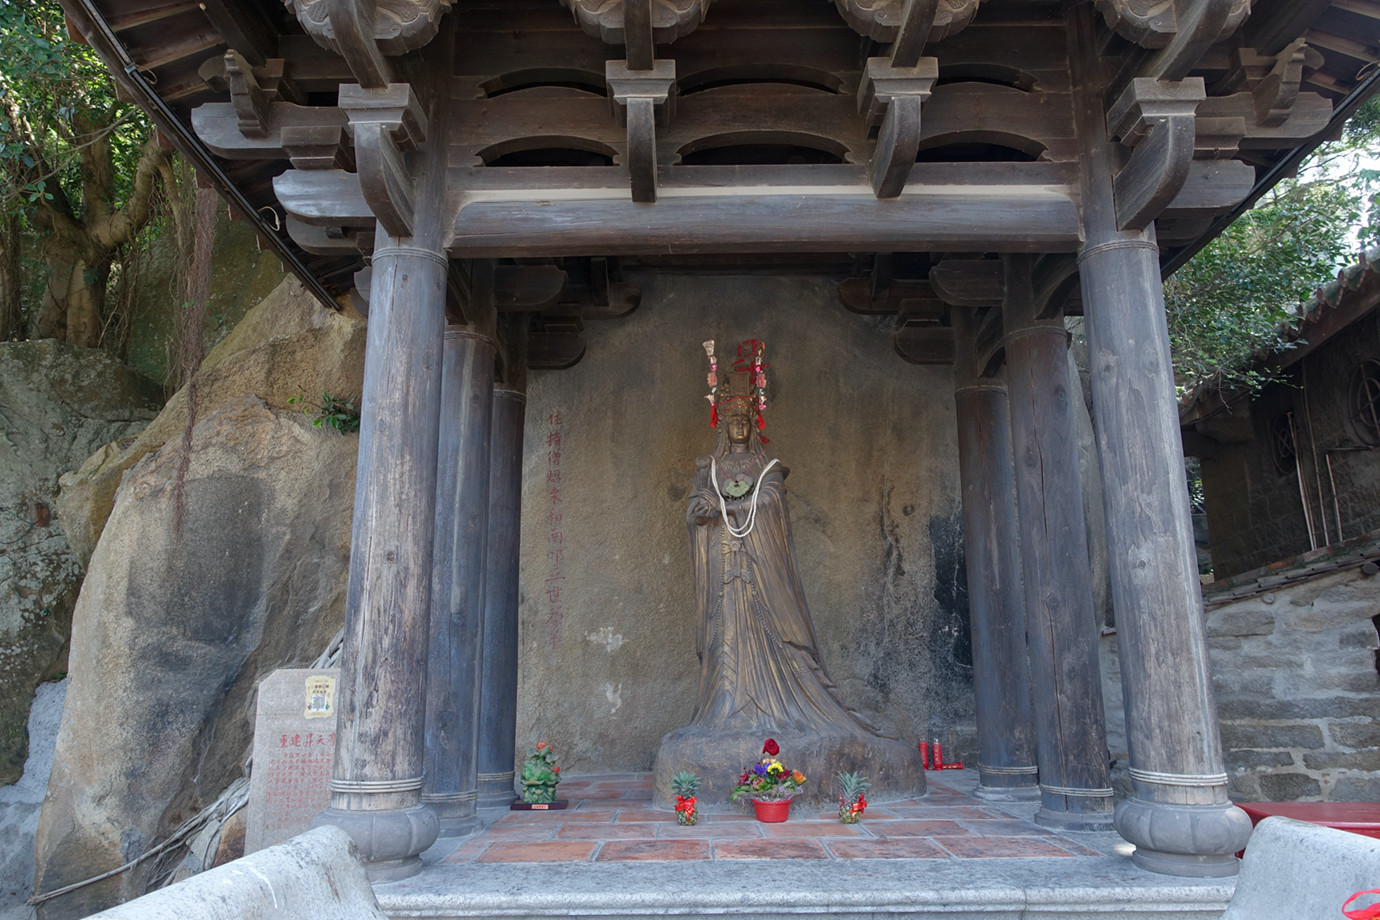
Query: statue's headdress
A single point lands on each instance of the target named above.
(742, 392)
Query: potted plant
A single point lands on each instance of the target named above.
(685, 785)
(852, 801)
(770, 784)
(540, 775)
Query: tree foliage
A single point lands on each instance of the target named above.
(78, 172)
(1241, 294)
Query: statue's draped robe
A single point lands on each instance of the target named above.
(760, 666)
(760, 670)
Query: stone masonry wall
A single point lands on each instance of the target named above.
(1254, 506)
(1295, 670)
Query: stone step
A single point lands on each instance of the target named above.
(981, 889)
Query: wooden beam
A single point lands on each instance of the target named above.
(731, 218)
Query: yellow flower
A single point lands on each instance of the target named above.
(775, 768)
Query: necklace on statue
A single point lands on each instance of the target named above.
(737, 483)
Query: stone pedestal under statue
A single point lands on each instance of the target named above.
(760, 670)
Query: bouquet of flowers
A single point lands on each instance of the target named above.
(768, 780)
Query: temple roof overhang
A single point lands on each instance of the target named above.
(879, 139)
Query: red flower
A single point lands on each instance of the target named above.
(771, 747)
(555, 769)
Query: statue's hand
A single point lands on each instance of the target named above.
(702, 510)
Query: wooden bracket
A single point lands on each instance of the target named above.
(1156, 119)
(384, 123)
(1053, 279)
(891, 98)
(1273, 82)
(639, 98)
(917, 21)
(252, 104)
(969, 282)
(318, 147)
(253, 90)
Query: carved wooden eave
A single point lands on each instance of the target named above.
(882, 20)
(1152, 23)
(363, 31)
(670, 19)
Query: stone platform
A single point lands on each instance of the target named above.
(945, 856)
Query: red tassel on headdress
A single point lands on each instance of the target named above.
(713, 416)
(760, 422)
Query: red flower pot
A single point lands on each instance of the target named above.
(772, 812)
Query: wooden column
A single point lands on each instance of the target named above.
(1178, 815)
(457, 581)
(498, 712)
(1075, 786)
(996, 605)
(376, 784)
(498, 698)
(376, 787)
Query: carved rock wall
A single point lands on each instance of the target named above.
(608, 659)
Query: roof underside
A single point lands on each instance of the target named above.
(766, 96)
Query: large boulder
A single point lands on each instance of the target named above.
(204, 577)
(58, 403)
(208, 575)
(287, 348)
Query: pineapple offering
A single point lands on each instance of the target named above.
(685, 785)
(852, 801)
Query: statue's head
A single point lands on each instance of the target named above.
(737, 397)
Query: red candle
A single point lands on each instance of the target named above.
(925, 754)
(938, 755)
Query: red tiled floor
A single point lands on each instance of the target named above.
(547, 851)
(769, 849)
(1008, 827)
(653, 849)
(606, 832)
(468, 852)
(710, 828)
(891, 848)
(569, 816)
(811, 829)
(610, 818)
(626, 815)
(931, 812)
(915, 828)
(1000, 847)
